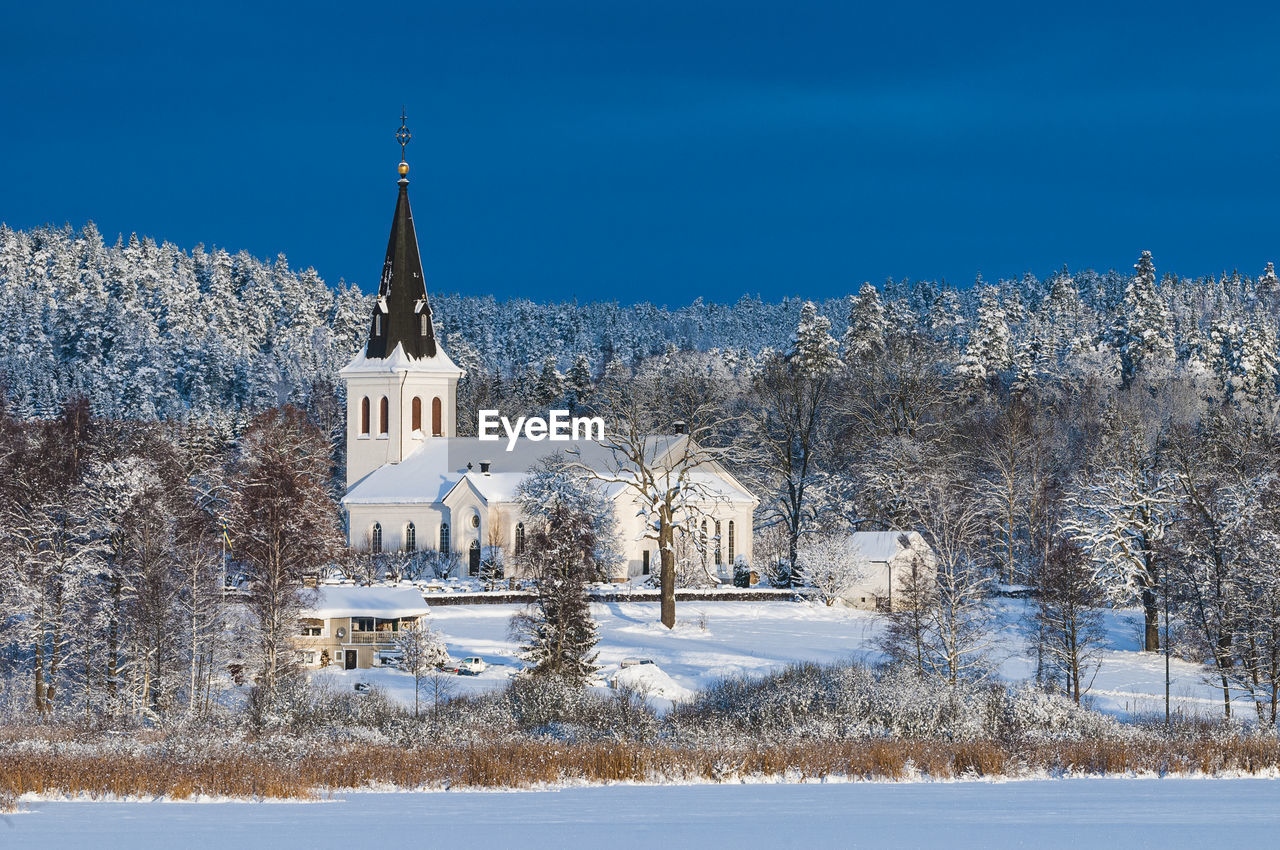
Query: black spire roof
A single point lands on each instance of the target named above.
(402, 315)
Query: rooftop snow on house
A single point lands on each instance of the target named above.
(882, 546)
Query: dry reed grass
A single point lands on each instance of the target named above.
(520, 764)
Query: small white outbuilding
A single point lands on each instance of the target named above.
(888, 559)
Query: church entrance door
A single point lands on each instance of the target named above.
(475, 558)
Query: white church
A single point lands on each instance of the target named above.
(413, 484)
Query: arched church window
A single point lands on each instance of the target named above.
(377, 324)
(375, 538)
(410, 538)
(384, 415)
(703, 536)
(520, 538)
(444, 538)
(417, 414)
(731, 541)
(718, 558)
(436, 416)
(424, 324)
(364, 415)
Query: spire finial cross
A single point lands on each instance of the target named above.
(403, 135)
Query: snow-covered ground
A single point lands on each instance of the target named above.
(716, 639)
(1075, 813)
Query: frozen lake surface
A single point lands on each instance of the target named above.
(1075, 813)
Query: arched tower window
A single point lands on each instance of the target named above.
(375, 538)
(436, 416)
(719, 560)
(384, 415)
(364, 415)
(444, 538)
(520, 538)
(377, 324)
(424, 324)
(410, 538)
(417, 414)
(731, 541)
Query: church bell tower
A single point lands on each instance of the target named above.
(402, 387)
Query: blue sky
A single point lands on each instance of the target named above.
(656, 150)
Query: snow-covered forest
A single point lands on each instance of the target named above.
(1101, 439)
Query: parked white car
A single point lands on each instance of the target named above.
(389, 658)
(472, 665)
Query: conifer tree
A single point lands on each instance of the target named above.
(1143, 332)
(864, 338)
(578, 383)
(990, 348)
(558, 632)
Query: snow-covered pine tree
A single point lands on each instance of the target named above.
(558, 633)
(864, 338)
(990, 349)
(1142, 333)
(578, 384)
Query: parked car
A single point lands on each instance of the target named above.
(362, 687)
(389, 658)
(635, 662)
(472, 666)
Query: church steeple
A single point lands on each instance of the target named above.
(402, 314)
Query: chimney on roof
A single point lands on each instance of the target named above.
(484, 466)
(678, 426)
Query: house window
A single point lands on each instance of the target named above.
(436, 417)
(444, 538)
(417, 414)
(644, 562)
(520, 538)
(375, 538)
(719, 560)
(384, 415)
(361, 624)
(307, 658)
(364, 415)
(377, 324)
(410, 538)
(311, 628)
(731, 542)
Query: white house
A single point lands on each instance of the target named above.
(413, 484)
(347, 625)
(888, 559)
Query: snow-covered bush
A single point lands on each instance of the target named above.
(852, 701)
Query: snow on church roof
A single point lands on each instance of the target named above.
(437, 466)
(354, 601)
(398, 361)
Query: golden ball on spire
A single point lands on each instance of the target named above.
(404, 169)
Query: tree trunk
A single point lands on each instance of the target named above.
(666, 550)
(1151, 618)
(39, 678)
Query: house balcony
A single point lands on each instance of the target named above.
(370, 638)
